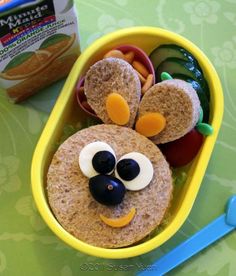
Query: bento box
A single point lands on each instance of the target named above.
(67, 112)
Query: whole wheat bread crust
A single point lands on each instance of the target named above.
(112, 75)
(178, 102)
(78, 212)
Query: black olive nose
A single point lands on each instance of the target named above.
(106, 189)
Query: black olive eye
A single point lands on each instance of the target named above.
(135, 170)
(97, 157)
(128, 169)
(104, 162)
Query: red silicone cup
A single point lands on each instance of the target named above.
(140, 56)
(82, 98)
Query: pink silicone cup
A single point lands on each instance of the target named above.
(80, 99)
(140, 55)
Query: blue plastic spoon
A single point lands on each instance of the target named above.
(206, 236)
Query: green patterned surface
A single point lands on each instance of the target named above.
(27, 246)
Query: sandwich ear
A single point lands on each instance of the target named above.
(113, 91)
(168, 111)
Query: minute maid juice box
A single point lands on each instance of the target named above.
(39, 43)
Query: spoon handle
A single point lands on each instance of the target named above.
(206, 236)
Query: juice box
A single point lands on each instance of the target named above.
(39, 43)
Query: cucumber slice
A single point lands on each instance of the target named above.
(179, 66)
(174, 65)
(170, 50)
(200, 92)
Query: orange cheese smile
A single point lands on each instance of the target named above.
(119, 222)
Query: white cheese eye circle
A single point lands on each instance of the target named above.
(144, 176)
(87, 154)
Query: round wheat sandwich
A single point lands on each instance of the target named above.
(178, 102)
(109, 76)
(109, 186)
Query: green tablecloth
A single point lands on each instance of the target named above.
(27, 246)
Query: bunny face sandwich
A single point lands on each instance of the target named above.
(109, 185)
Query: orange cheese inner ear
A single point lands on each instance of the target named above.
(117, 109)
(150, 124)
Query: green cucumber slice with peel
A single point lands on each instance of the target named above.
(179, 66)
(200, 92)
(170, 50)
